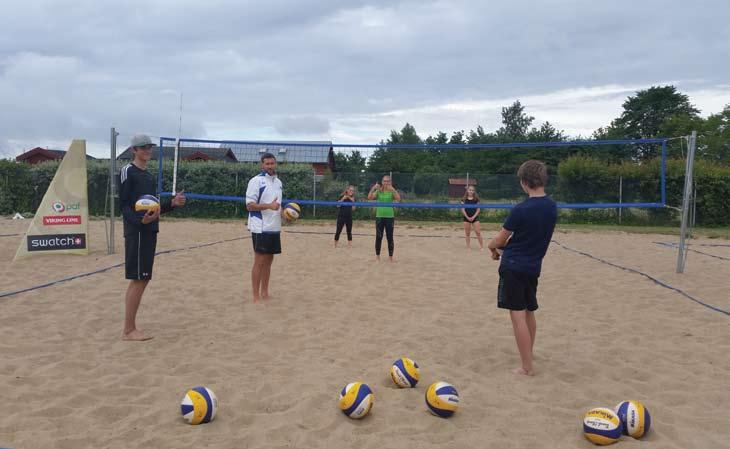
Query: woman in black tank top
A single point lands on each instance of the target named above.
(344, 215)
(471, 217)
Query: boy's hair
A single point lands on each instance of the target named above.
(466, 194)
(533, 173)
(267, 156)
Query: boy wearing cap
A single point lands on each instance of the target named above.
(140, 230)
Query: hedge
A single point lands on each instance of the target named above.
(578, 179)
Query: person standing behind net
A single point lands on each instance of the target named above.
(140, 230)
(471, 217)
(263, 202)
(528, 228)
(344, 215)
(384, 216)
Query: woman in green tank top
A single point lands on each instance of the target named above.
(384, 216)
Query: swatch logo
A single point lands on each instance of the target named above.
(56, 242)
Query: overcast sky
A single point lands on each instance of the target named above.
(343, 70)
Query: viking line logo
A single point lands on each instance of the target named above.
(59, 207)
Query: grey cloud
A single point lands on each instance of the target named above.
(306, 125)
(75, 68)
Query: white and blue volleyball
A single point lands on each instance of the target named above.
(356, 400)
(635, 418)
(601, 426)
(442, 399)
(405, 372)
(292, 211)
(199, 405)
(146, 202)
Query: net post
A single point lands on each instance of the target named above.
(689, 167)
(174, 167)
(664, 172)
(159, 172)
(620, 197)
(314, 192)
(112, 175)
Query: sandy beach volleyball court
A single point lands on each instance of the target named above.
(604, 335)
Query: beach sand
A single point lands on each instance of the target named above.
(604, 335)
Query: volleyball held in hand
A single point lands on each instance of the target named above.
(199, 405)
(147, 203)
(356, 400)
(405, 372)
(601, 426)
(292, 211)
(635, 418)
(442, 399)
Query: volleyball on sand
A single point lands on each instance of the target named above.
(601, 426)
(356, 400)
(442, 399)
(405, 372)
(199, 405)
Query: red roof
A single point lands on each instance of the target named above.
(39, 153)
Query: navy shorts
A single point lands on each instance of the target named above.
(139, 255)
(517, 291)
(266, 243)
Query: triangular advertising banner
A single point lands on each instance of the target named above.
(61, 223)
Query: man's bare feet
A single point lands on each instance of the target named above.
(391, 260)
(135, 335)
(524, 372)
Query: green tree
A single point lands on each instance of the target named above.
(643, 117)
(714, 142)
(515, 123)
(396, 159)
(713, 135)
(349, 163)
(645, 112)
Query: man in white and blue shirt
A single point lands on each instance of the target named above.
(263, 201)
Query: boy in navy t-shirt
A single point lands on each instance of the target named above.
(521, 245)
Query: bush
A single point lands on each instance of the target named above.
(591, 180)
(578, 180)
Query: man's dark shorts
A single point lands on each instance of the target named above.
(266, 243)
(139, 255)
(517, 291)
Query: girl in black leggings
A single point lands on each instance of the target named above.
(384, 216)
(344, 215)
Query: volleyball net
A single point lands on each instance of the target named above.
(316, 173)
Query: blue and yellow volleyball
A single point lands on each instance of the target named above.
(356, 400)
(199, 405)
(635, 418)
(405, 372)
(292, 211)
(601, 426)
(442, 399)
(146, 202)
